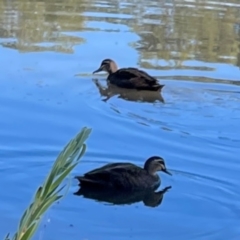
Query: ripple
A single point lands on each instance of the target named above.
(195, 129)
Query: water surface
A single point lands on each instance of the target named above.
(48, 94)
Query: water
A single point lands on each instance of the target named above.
(48, 94)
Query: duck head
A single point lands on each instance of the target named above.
(154, 164)
(107, 65)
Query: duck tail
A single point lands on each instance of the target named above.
(161, 86)
(84, 181)
(158, 87)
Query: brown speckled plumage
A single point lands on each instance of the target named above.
(131, 78)
(126, 175)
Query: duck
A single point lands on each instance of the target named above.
(131, 78)
(126, 175)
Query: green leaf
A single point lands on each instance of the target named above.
(29, 232)
(55, 191)
(26, 217)
(7, 236)
(23, 218)
(49, 192)
(48, 185)
(62, 176)
(38, 193)
(69, 149)
(42, 209)
(84, 147)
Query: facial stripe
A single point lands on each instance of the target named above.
(160, 161)
(163, 166)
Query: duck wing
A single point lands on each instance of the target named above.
(106, 175)
(135, 78)
(109, 167)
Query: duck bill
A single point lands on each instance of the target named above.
(167, 172)
(98, 70)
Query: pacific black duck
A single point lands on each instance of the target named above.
(126, 176)
(131, 78)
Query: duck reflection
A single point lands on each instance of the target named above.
(150, 198)
(128, 94)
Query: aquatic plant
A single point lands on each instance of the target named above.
(51, 189)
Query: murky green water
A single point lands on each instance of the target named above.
(48, 52)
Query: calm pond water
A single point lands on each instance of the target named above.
(48, 52)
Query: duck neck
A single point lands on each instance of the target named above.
(111, 71)
(151, 170)
(113, 68)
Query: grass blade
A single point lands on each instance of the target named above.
(51, 188)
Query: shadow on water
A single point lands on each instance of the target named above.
(149, 198)
(127, 94)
